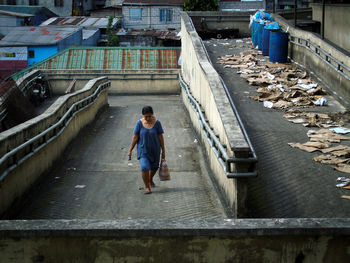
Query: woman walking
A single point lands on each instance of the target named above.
(148, 134)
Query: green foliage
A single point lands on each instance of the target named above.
(200, 5)
(112, 38)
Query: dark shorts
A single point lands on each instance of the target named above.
(146, 164)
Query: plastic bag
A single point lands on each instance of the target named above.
(164, 174)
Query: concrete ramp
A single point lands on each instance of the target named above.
(94, 180)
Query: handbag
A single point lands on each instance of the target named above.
(164, 174)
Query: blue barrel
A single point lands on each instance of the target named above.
(278, 46)
(259, 35)
(254, 39)
(265, 42)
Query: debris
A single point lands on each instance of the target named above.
(80, 186)
(239, 41)
(321, 102)
(336, 148)
(303, 147)
(340, 130)
(195, 141)
(345, 168)
(268, 104)
(345, 196)
(344, 181)
(329, 159)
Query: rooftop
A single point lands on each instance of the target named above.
(8, 13)
(87, 22)
(37, 36)
(26, 9)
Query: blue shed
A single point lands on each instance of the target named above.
(43, 42)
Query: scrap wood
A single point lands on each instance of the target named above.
(345, 168)
(329, 159)
(346, 196)
(336, 148)
(283, 104)
(326, 135)
(302, 147)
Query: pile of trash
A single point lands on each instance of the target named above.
(279, 85)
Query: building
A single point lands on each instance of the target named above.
(60, 7)
(28, 45)
(236, 5)
(94, 28)
(9, 20)
(152, 14)
(115, 11)
(38, 14)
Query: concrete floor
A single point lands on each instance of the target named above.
(94, 179)
(290, 183)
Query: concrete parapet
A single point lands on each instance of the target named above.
(158, 81)
(31, 160)
(310, 56)
(207, 88)
(221, 240)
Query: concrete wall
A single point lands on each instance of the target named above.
(338, 85)
(192, 241)
(18, 181)
(8, 22)
(122, 81)
(337, 23)
(151, 17)
(214, 21)
(206, 87)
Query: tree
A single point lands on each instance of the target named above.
(200, 5)
(112, 38)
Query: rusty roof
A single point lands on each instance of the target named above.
(87, 22)
(110, 58)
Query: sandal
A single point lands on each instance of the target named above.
(147, 191)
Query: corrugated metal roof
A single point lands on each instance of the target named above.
(87, 22)
(87, 33)
(8, 13)
(27, 9)
(111, 58)
(36, 36)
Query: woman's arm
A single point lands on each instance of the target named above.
(161, 140)
(134, 140)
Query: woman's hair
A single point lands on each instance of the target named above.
(147, 109)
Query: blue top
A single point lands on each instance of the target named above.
(148, 144)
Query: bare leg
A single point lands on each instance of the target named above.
(152, 175)
(146, 180)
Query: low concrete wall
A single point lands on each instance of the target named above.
(337, 23)
(238, 240)
(338, 85)
(19, 180)
(206, 87)
(122, 81)
(214, 21)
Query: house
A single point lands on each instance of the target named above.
(8, 20)
(25, 46)
(115, 11)
(60, 7)
(94, 28)
(38, 13)
(152, 14)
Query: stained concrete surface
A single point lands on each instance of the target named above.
(290, 183)
(94, 179)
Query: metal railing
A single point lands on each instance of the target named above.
(11, 160)
(326, 57)
(217, 147)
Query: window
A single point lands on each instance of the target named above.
(135, 14)
(33, 2)
(11, 2)
(31, 54)
(165, 15)
(59, 3)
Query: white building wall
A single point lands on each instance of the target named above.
(7, 23)
(151, 18)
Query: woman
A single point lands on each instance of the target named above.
(148, 134)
